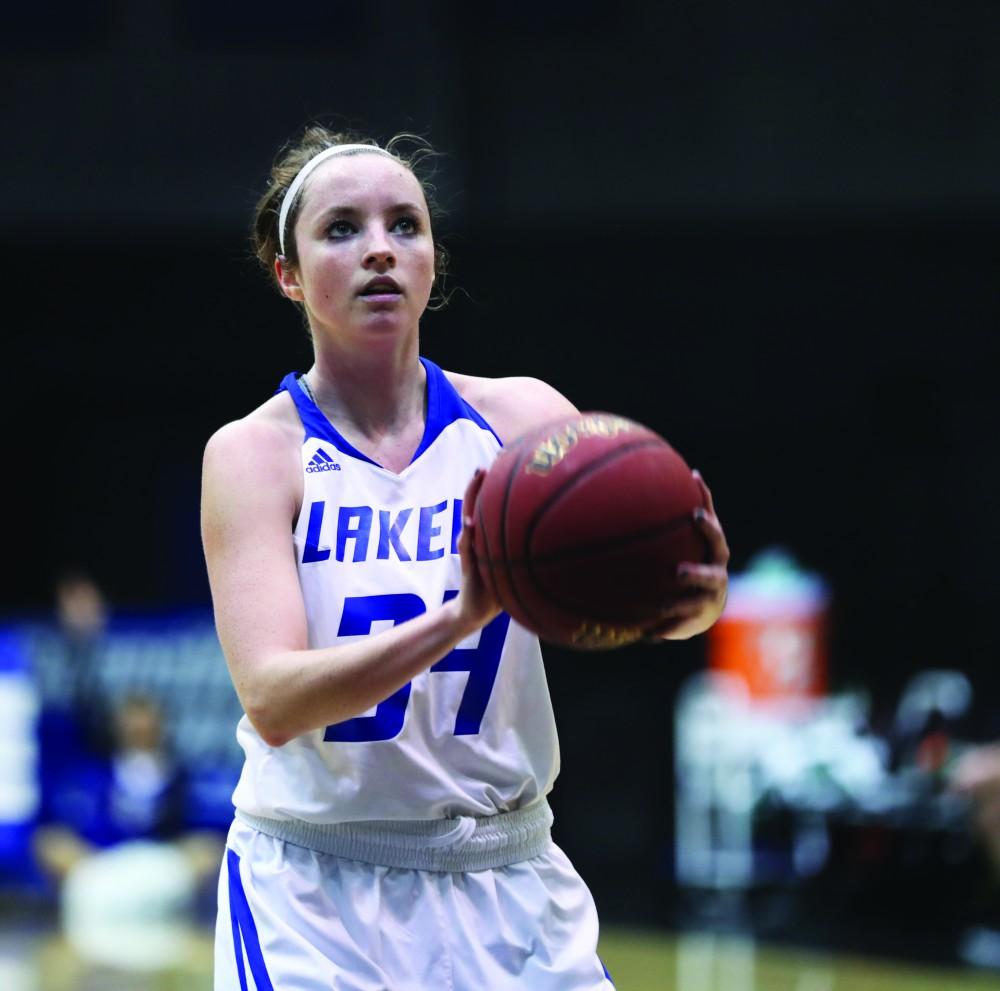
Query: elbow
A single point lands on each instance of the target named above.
(265, 707)
(275, 739)
(268, 728)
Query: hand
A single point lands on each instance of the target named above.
(475, 603)
(704, 585)
(977, 775)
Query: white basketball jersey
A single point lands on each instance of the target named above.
(472, 736)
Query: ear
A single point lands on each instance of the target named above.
(287, 278)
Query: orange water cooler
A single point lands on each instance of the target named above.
(774, 632)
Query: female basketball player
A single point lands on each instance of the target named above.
(392, 830)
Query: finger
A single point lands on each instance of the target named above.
(673, 620)
(688, 603)
(690, 574)
(471, 494)
(466, 536)
(706, 494)
(708, 524)
(660, 633)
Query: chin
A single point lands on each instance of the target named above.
(388, 328)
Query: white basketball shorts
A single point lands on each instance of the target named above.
(293, 918)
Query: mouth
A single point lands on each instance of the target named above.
(381, 286)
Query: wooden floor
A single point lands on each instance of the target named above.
(705, 962)
(638, 961)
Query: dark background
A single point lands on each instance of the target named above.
(768, 230)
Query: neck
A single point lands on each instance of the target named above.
(374, 393)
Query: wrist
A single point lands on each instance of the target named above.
(459, 620)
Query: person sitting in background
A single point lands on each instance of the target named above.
(135, 794)
(128, 874)
(977, 775)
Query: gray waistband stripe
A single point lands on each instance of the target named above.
(460, 844)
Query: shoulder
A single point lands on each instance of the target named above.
(270, 433)
(260, 452)
(511, 405)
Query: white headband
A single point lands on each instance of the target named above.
(306, 171)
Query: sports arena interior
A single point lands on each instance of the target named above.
(766, 231)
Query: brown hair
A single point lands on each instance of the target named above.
(411, 150)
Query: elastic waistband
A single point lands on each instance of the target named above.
(465, 843)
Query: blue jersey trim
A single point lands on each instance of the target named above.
(243, 924)
(605, 969)
(444, 406)
(315, 423)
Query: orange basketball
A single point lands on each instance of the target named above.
(580, 526)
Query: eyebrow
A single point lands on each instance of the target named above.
(337, 210)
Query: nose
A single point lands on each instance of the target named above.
(379, 255)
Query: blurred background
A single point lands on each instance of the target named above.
(767, 230)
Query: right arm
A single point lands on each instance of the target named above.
(249, 502)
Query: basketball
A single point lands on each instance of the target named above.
(580, 526)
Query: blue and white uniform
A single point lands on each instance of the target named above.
(408, 847)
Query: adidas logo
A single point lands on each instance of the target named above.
(321, 461)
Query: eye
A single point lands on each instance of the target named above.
(406, 225)
(340, 228)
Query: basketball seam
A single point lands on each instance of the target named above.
(584, 473)
(609, 456)
(583, 549)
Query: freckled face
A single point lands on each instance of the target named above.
(366, 253)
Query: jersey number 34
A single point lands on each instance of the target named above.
(482, 663)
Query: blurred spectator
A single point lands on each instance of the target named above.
(81, 618)
(80, 607)
(113, 835)
(977, 775)
(137, 793)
